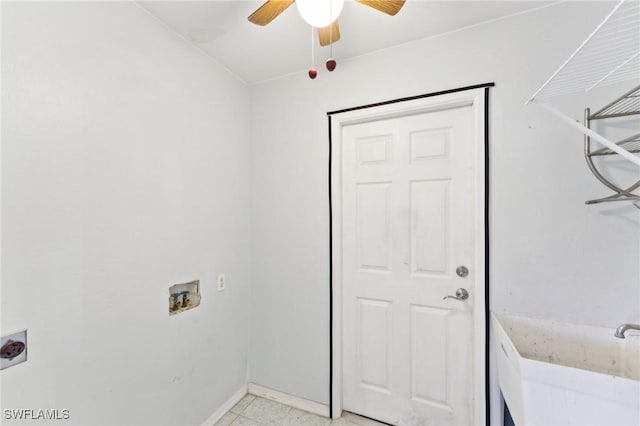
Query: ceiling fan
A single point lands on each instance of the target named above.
(329, 32)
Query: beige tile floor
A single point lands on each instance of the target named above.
(256, 411)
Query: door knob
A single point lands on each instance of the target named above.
(462, 271)
(461, 294)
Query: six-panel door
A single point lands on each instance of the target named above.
(408, 196)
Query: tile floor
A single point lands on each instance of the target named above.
(256, 411)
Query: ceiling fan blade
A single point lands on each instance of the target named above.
(269, 11)
(390, 7)
(329, 34)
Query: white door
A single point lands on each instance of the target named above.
(408, 200)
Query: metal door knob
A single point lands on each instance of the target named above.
(462, 271)
(461, 294)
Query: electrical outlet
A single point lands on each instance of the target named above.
(13, 349)
(221, 282)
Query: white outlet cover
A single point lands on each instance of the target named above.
(20, 336)
(221, 282)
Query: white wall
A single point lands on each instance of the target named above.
(125, 169)
(551, 256)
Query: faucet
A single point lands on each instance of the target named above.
(624, 327)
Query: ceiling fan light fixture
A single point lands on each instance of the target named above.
(319, 13)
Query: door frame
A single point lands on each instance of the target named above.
(476, 97)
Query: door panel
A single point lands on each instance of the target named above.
(430, 356)
(407, 210)
(373, 344)
(430, 237)
(374, 244)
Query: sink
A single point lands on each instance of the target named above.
(554, 373)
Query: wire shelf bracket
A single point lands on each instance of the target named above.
(609, 55)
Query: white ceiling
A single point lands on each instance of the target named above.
(255, 54)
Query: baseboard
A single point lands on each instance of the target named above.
(285, 398)
(228, 405)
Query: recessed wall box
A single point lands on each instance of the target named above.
(184, 296)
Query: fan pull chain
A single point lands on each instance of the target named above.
(331, 63)
(313, 73)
